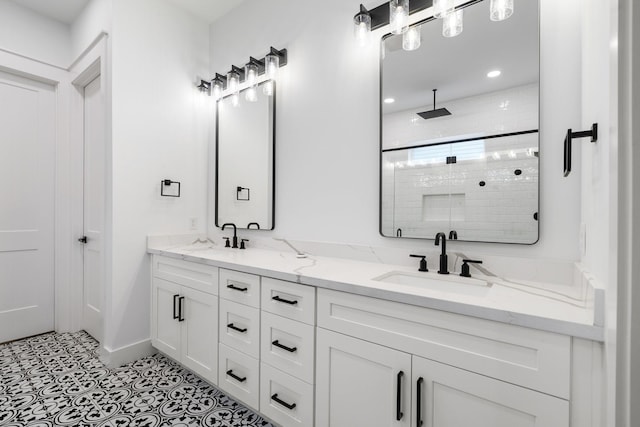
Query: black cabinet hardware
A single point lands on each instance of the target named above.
(419, 402)
(180, 309)
(235, 288)
(593, 133)
(83, 240)
(282, 402)
(286, 301)
(423, 262)
(284, 347)
(235, 377)
(399, 413)
(235, 328)
(465, 267)
(175, 299)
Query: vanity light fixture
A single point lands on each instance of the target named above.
(452, 24)
(499, 10)
(493, 74)
(411, 38)
(205, 87)
(218, 85)
(362, 26)
(233, 79)
(251, 71)
(399, 16)
(442, 8)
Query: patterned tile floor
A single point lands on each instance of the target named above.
(57, 380)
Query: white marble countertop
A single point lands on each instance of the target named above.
(567, 311)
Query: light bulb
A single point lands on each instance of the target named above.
(271, 65)
(235, 99)
(362, 26)
(267, 88)
(499, 10)
(452, 24)
(251, 73)
(442, 8)
(216, 90)
(233, 81)
(398, 15)
(411, 38)
(251, 94)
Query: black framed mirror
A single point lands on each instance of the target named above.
(245, 155)
(464, 159)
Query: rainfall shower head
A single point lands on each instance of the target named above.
(432, 114)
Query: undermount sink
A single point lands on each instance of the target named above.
(442, 283)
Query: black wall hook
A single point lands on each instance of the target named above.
(593, 134)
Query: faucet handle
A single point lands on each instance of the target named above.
(242, 243)
(227, 244)
(465, 267)
(423, 262)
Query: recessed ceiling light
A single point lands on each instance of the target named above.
(493, 74)
(389, 100)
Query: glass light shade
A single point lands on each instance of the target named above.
(411, 38)
(251, 73)
(233, 81)
(271, 65)
(235, 99)
(442, 8)
(251, 94)
(216, 89)
(398, 15)
(362, 28)
(267, 88)
(499, 10)
(452, 24)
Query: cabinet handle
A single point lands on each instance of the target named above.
(180, 309)
(235, 328)
(419, 402)
(175, 298)
(399, 413)
(235, 377)
(282, 402)
(286, 301)
(284, 347)
(235, 288)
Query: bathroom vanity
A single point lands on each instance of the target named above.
(333, 342)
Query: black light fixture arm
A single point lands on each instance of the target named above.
(593, 134)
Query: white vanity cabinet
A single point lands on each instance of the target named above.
(381, 363)
(184, 314)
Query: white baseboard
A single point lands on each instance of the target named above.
(123, 355)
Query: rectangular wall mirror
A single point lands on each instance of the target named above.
(245, 145)
(469, 161)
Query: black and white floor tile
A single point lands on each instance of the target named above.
(57, 380)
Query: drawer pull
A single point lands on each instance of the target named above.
(175, 299)
(419, 402)
(235, 377)
(399, 413)
(235, 328)
(282, 402)
(286, 301)
(180, 308)
(235, 288)
(284, 347)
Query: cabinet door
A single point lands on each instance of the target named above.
(360, 384)
(452, 397)
(165, 328)
(200, 333)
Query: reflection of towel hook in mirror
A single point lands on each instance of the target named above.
(593, 133)
(240, 195)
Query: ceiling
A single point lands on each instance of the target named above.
(66, 11)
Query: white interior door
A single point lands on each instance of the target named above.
(94, 193)
(27, 174)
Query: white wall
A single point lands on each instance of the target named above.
(327, 142)
(160, 130)
(30, 34)
(94, 19)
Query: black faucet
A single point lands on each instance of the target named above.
(443, 256)
(253, 223)
(235, 236)
(453, 235)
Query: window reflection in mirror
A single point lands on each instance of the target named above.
(474, 171)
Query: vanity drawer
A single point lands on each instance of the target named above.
(240, 327)
(285, 399)
(239, 375)
(531, 358)
(194, 275)
(240, 287)
(288, 345)
(287, 299)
